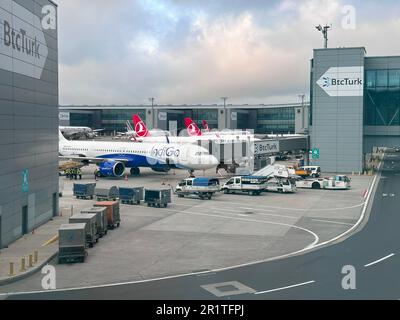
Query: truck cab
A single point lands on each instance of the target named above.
(338, 182)
(251, 185)
(315, 171)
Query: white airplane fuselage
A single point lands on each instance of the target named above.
(134, 155)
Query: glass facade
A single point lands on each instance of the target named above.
(276, 120)
(81, 119)
(382, 98)
(115, 119)
(210, 115)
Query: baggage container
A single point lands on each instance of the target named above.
(106, 194)
(84, 190)
(90, 221)
(113, 216)
(101, 219)
(157, 197)
(131, 195)
(72, 243)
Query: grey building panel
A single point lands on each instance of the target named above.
(337, 120)
(28, 121)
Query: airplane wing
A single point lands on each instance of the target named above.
(77, 158)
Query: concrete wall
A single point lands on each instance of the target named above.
(338, 117)
(28, 118)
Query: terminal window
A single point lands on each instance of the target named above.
(382, 98)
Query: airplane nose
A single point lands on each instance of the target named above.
(214, 161)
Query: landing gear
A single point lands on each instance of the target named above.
(191, 174)
(135, 171)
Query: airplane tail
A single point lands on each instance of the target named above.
(205, 126)
(140, 127)
(192, 128)
(61, 136)
(128, 126)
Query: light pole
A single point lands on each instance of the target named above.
(302, 97)
(152, 110)
(225, 116)
(324, 31)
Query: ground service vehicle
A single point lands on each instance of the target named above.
(204, 188)
(72, 243)
(315, 171)
(338, 182)
(252, 185)
(113, 215)
(84, 190)
(89, 219)
(282, 185)
(157, 197)
(131, 195)
(101, 219)
(106, 194)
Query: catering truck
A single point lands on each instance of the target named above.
(204, 188)
(252, 185)
(338, 182)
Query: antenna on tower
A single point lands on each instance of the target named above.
(324, 31)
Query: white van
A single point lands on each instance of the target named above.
(315, 171)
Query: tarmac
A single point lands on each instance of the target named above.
(191, 235)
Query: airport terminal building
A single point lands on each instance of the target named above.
(28, 116)
(355, 106)
(264, 119)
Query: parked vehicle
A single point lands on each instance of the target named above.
(89, 219)
(113, 215)
(131, 195)
(252, 185)
(204, 188)
(84, 190)
(72, 243)
(338, 182)
(101, 219)
(281, 185)
(106, 194)
(294, 170)
(315, 171)
(157, 197)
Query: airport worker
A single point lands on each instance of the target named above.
(80, 173)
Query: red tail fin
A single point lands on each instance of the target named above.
(205, 125)
(140, 127)
(192, 128)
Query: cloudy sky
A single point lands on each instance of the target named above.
(195, 51)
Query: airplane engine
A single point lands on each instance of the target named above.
(111, 169)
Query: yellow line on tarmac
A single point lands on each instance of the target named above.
(50, 241)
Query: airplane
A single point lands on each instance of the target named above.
(218, 136)
(113, 157)
(141, 130)
(205, 126)
(74, 132)
(195, 136)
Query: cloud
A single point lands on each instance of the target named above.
(195, 52)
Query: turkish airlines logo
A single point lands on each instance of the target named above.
(141, 129)
(193, 130)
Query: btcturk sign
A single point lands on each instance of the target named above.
(343, 81)
(23, 47)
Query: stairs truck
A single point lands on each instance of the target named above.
(338, 182)
(252, 185)
(204, 188)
